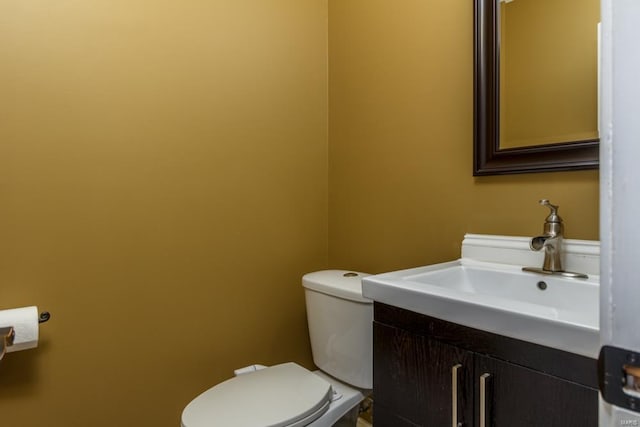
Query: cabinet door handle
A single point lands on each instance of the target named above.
(483, 399)
(454, 395)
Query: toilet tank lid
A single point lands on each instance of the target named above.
(345, 284)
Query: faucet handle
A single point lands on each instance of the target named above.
(553, 216)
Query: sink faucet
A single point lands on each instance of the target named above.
(551, 242)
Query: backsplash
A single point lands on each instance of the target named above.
(578, 255)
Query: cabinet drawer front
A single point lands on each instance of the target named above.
(413, 376)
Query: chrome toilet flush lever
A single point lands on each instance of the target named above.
(551, 242)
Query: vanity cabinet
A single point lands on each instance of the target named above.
(429, 372)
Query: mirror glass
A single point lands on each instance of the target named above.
(548, 71)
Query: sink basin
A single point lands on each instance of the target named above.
(553, 311)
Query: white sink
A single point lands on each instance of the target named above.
(499, 298)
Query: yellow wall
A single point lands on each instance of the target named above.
(163, 187)
(549, 75)
(401, 192)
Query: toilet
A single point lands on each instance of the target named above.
(287, 395)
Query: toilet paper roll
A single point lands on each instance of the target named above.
(25, 324)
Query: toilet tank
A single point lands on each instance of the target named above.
(340, 325)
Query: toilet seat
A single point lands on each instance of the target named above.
(285, 395)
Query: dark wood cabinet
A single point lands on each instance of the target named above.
(414, 377)
(428, 372)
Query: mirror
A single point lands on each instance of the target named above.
(535, 86)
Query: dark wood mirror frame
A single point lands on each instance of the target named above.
(488, 158)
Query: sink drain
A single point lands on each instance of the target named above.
(542, 285)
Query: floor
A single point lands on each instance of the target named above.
(363, 423)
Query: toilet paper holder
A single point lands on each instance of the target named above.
(44, 316)
(6, 339)
(7, 335)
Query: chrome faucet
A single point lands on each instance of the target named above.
(551, 242)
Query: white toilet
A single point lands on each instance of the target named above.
(288, 395)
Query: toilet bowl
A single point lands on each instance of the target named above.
(288, 395)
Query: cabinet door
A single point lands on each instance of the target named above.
(518, 396)
(420, 380)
